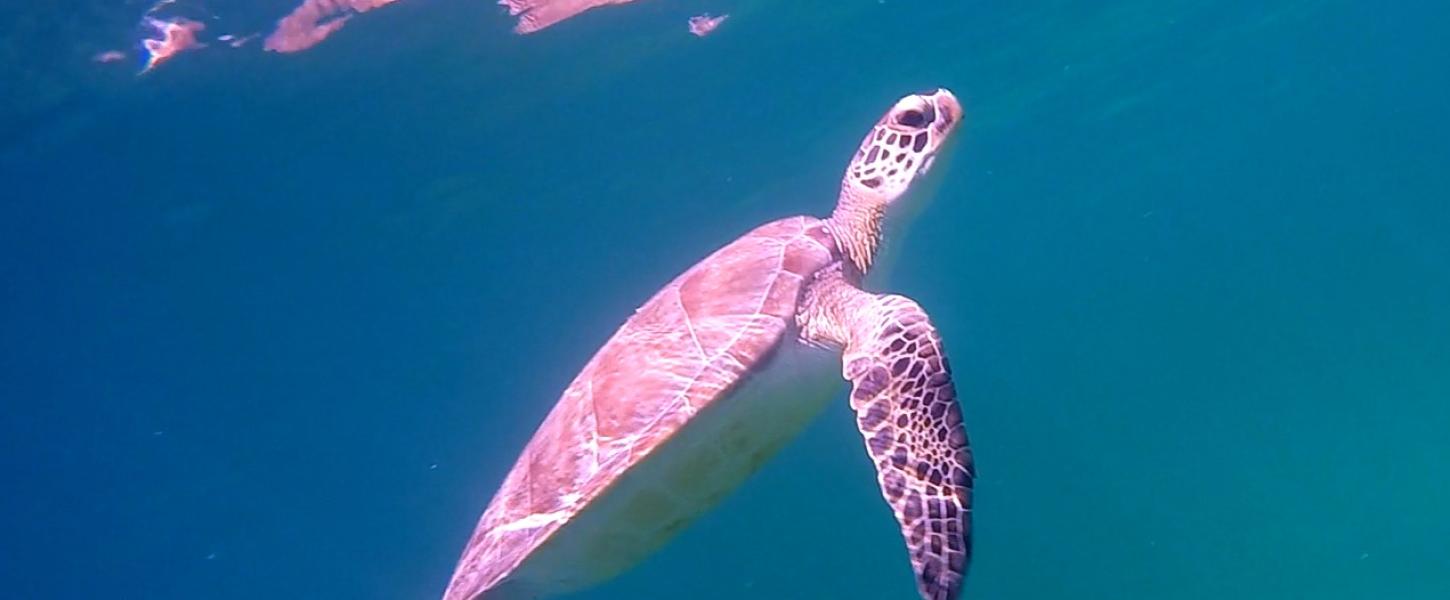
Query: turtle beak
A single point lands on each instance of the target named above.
(948, 109)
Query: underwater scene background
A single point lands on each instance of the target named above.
(275, 325)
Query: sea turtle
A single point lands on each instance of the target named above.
(722, 367)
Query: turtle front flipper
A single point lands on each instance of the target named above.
(906, 408)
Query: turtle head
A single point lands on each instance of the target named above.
(902, 145)
(897, 152)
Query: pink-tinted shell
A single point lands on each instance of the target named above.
(685, 348)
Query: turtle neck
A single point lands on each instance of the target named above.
(856, 225)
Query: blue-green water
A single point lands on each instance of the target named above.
(275, 327)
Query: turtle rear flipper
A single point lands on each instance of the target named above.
(907, 411)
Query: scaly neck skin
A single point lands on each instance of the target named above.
(830, 307)
(856, 224)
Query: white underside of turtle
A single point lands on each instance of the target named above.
(692, 472)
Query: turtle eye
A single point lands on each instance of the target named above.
(911, 118)
(917, 117)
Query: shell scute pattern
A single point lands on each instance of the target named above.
(684, 348)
